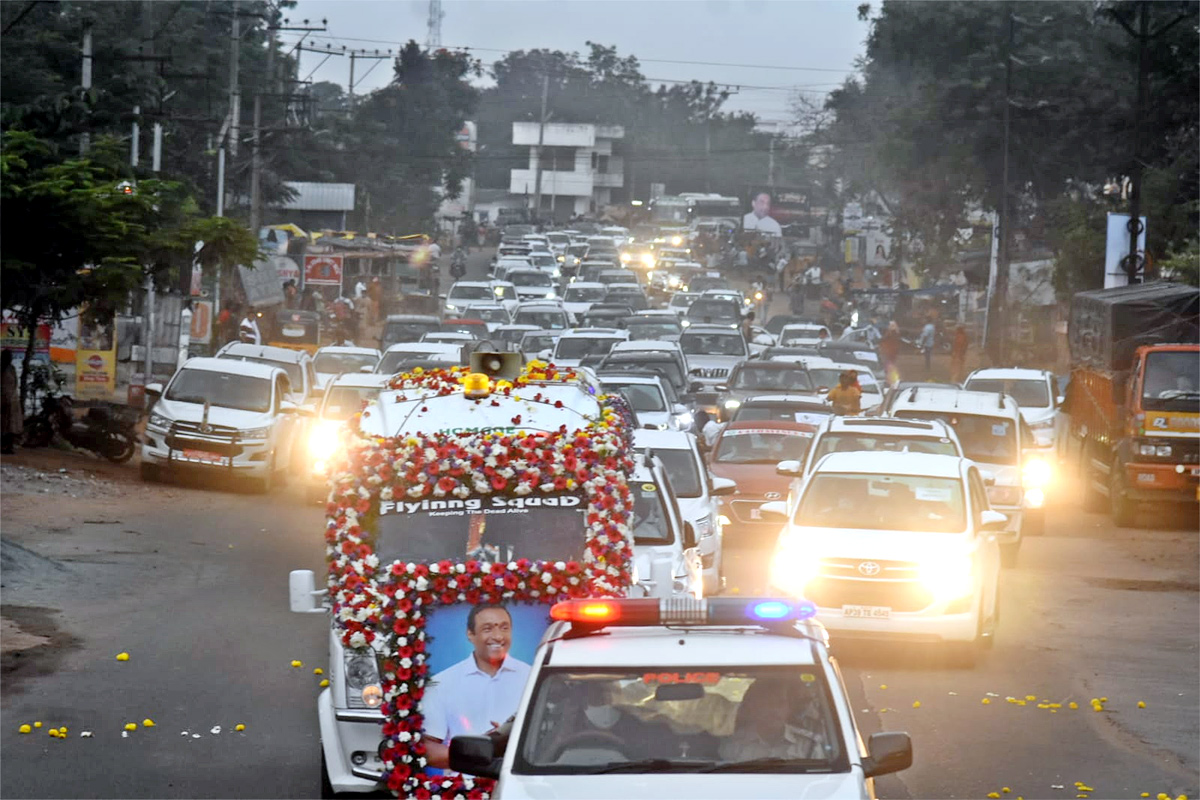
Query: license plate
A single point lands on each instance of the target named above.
(756, 513)
(866, 612)
(204, 457)
(1195, 471)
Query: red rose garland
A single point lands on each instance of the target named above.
(384, 606)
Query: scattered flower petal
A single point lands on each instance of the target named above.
(297, 664)
(318, 671)
(25, 729)
(124, 734)
(239, 727)
(916, 703)
(37, 724)
(1141, 703)
(216, 729)
(324, 682)
(147, 723)
(122, 656)
(130, 726)
(85, 734)
(195, 736)
(986, 702)
(993, 795)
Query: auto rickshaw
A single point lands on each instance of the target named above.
(297, 330)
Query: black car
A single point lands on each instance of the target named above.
(664, 365)
(407, 328)
(752, 378)
(714, 311)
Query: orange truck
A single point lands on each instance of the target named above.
(1134, 396)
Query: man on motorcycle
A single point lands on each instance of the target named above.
(458, 264)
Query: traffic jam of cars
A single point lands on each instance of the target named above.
(591, 428)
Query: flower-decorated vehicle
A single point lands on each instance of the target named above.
(464, 491)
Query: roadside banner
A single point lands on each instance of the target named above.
(14, 337)
(96, 359)
(261, 284)
(323, 270)
(202, 321)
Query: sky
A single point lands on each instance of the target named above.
(779, 46)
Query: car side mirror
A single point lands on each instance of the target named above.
(366, 369)
(990, 520)
(303, 595)
(695, 386)
(722, 387)
(776, 509)
(154, 389)
(1060, 400)
(475, 755)
(545, 355)
(679, 408)
(689, 536)
(723, 487)
(790, 467)
(887, 753)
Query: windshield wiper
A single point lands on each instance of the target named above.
(769, 765)
(189, 399)
(650, 765)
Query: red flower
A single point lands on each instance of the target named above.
(516, 420)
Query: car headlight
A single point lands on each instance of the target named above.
(1036, 473)
(625, 258)
(677, 240)
(673, 281)
(256, 433)
(1042, 425)
(703, 527)
(323, 440)
(947, 577)
(557, 273)
(1152, 450)
(561, 259)
(157, 420)
(792, 569)
(362, 679)
(684, 322)
(732, 404)
(648, 259)
(1004, 495)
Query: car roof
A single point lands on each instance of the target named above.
(768, 424)
(644, 378)
(587, 285)
(647, 346)
(232, 366)
(516, 327)
(663, 440)
(358, 351)
(775, 399)
(595, 333)
(1009, 374)
(710, 328)
(360, 379)
(413, 318)
(888, 463)
(426, 348)
(778, 364)
(282, 354)
(990, 404)
(656, 313)
(887, 426)
(815, 362)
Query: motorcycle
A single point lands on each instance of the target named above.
(105, 430)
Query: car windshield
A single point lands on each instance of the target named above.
(757, 377)
(1028, 393)
(807, 414)
(294, 371)
(553, 320)
(543, 260)
(761, 446)
(645, 330)
(535, 344)
(398, 332)
(512, 336)
(856, 442)
(712, 344)
(539, 279)
(651, 523)
(471, 328)
(1172, 382)
(667, 368)
(682, 470)
(486, 314)
(990, 440)
(199, 386)
(824, 377)
(649, 719)
(343, 402)
(883, 503)
(713, 310)
(584, 294)
(493, 529)
(392, 362)
(641, 396)
(344, 362)
(470, 293)
(681, 301)
(580, 346)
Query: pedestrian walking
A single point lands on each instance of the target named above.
(889, 352)
(846, 397)
(10, 404)
(248, 328)
(375, 299)
(926, 342)
(958, 354)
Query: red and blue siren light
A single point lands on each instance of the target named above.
(684, 611)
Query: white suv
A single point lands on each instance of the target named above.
(725, 697)
(222, 417)
(893, 545)
(696, 491)
(994, 435)
(1035, 391)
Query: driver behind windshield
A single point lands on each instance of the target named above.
(777, 718)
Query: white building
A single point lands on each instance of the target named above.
(579, 170)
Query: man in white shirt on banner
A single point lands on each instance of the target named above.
(478, 693)
(758, 219)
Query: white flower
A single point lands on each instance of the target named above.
(357, 639)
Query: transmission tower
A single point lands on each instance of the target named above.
(433, 35)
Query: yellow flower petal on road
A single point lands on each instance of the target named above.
(130, 726)
(318, 671)
(324, 683)
(986, 702)
(1103, 699)
(25, 729)
(122, 656)
(297, 664)
(916, 703)
(147, 723)
(993, 795)
(37, 724)
(1163, 796)
(1141, 703)
(1031, 697)
(239, 727)
(1145, 794)
(1072, 705)
(883, 686)
(1006, 790)
(1083, 788)
(1182, 797)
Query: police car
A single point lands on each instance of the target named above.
(717, 698)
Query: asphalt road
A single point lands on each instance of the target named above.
(192, 583)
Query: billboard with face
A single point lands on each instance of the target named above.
(771, 208)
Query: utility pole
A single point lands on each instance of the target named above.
(363, 54)
(85, 139)
(235, 93)
(537, 184)
(135, 139)
(256, 158)
(998, 303)
(771, 162)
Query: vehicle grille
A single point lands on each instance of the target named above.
(896, 595)
(220, 439)
(849, 568)
(711, 372)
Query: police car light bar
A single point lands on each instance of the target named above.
(683, 611)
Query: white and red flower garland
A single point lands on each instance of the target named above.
(384, 606)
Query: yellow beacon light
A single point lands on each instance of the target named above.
(476, 384)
